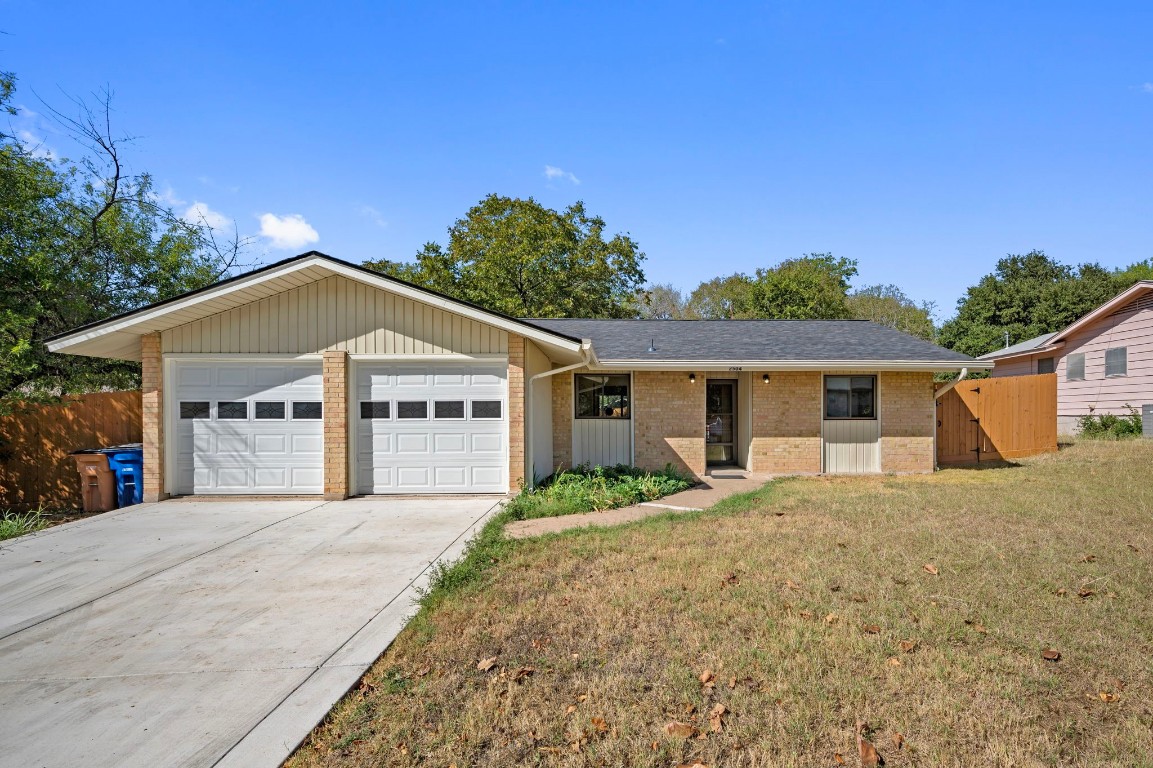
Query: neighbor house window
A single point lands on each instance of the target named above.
(1045, 365)
(850, 397)
(602, 396)
(1075, 367)
(1116, 361)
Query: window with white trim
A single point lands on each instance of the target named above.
(850, 397)
(602, 396)
(1117, 361)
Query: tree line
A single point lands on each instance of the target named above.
(85, 238)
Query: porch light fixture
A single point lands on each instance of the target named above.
(765, 378)
(692, 378)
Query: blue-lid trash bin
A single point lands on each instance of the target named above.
(127, 462)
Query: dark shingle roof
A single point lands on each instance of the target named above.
(752, 340)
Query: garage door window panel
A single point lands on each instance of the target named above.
(375, 409)
(267, 410)
(195, 409)
(232, 411)
(412, 409)
(307, 410)
(448, 409)
(486, 409)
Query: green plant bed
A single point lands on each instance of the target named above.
(1106, 426)
(592, 489)
(13, 524)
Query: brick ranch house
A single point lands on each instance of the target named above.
(315, 376)
(1103, 361)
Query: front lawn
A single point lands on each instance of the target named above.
(921, 604)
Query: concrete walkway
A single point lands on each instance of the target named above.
(718, 484)
(205, 633)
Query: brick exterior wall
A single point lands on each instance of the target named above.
(669, 421)
(908, 421)
(562, 416)
(336, 437)
(786, 422)
(152, 395)
(516, 406)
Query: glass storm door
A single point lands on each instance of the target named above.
(720, 422)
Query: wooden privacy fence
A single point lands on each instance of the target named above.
(35, 467)
(1003, 418)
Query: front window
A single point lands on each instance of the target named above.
(1045, 365)
(1075, 367)
(850, 397)
(600, 396)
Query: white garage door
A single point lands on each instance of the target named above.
(439, 428)
(249, 427)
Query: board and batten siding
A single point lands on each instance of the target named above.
(336, 314)
(604, 442)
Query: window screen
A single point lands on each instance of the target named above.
(602, 396)
(486, 409)
(196, 409)
(1075, 367)
(412, 409)
(308, 410)
(237, 411)
(269, 409)
(1116, 361)
(1045, 365)
(448, 409)
(850, 397)
(374, 409)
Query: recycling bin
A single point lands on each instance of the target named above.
(127, 463)
(97, 481)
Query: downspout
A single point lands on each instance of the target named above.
(941, 393)
(586, 351)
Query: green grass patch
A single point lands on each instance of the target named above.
(595, 489)
(13, 524)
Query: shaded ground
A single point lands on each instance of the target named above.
(809, 603)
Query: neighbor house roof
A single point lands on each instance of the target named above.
(1021, 347)
(797, 344)
(1136, 296)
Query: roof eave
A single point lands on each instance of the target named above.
(796, 365)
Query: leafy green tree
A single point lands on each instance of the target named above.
(812, 287)
(722, 298)
(1026, 295)
(664, 302)
(1141, 270)
(889, 306)
(517, 257)
(81, 241)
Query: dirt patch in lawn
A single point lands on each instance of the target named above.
(757, 633)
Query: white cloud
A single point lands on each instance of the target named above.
(1147, 87)
(34, 145)
(552, 172)
(199, 213)
(290, 231)
(373, 215)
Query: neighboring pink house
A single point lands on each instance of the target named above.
(1103, 361)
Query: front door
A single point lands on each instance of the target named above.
(720, 422)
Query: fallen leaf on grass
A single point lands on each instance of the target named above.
(1051, 654)
(907, 646)
(1062, 592)
(691, 765)
(1085, 592)
(731, 580)
(1088, 558)
(522, 672)
(715, 715)
(1107, 697)
(679, 730)
(894, 662)
(707, 678)
(871, 629)
(1135, 549)
(832, 618)
(600, 724)
(551, 750)
(792, 584)
(732, 683)
(860, 599)
(570, 709)
(806, 614)
(838, 758)
(898, 741)
(484, 665)
(930, 569)
(423, 671)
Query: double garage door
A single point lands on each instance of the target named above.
(258, 428)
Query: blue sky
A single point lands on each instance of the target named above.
(924, 139)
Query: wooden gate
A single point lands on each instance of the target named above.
(35, 467)
(1002, 418)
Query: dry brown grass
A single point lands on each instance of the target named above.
(619, 624)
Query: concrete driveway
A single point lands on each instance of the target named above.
(205, 633)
